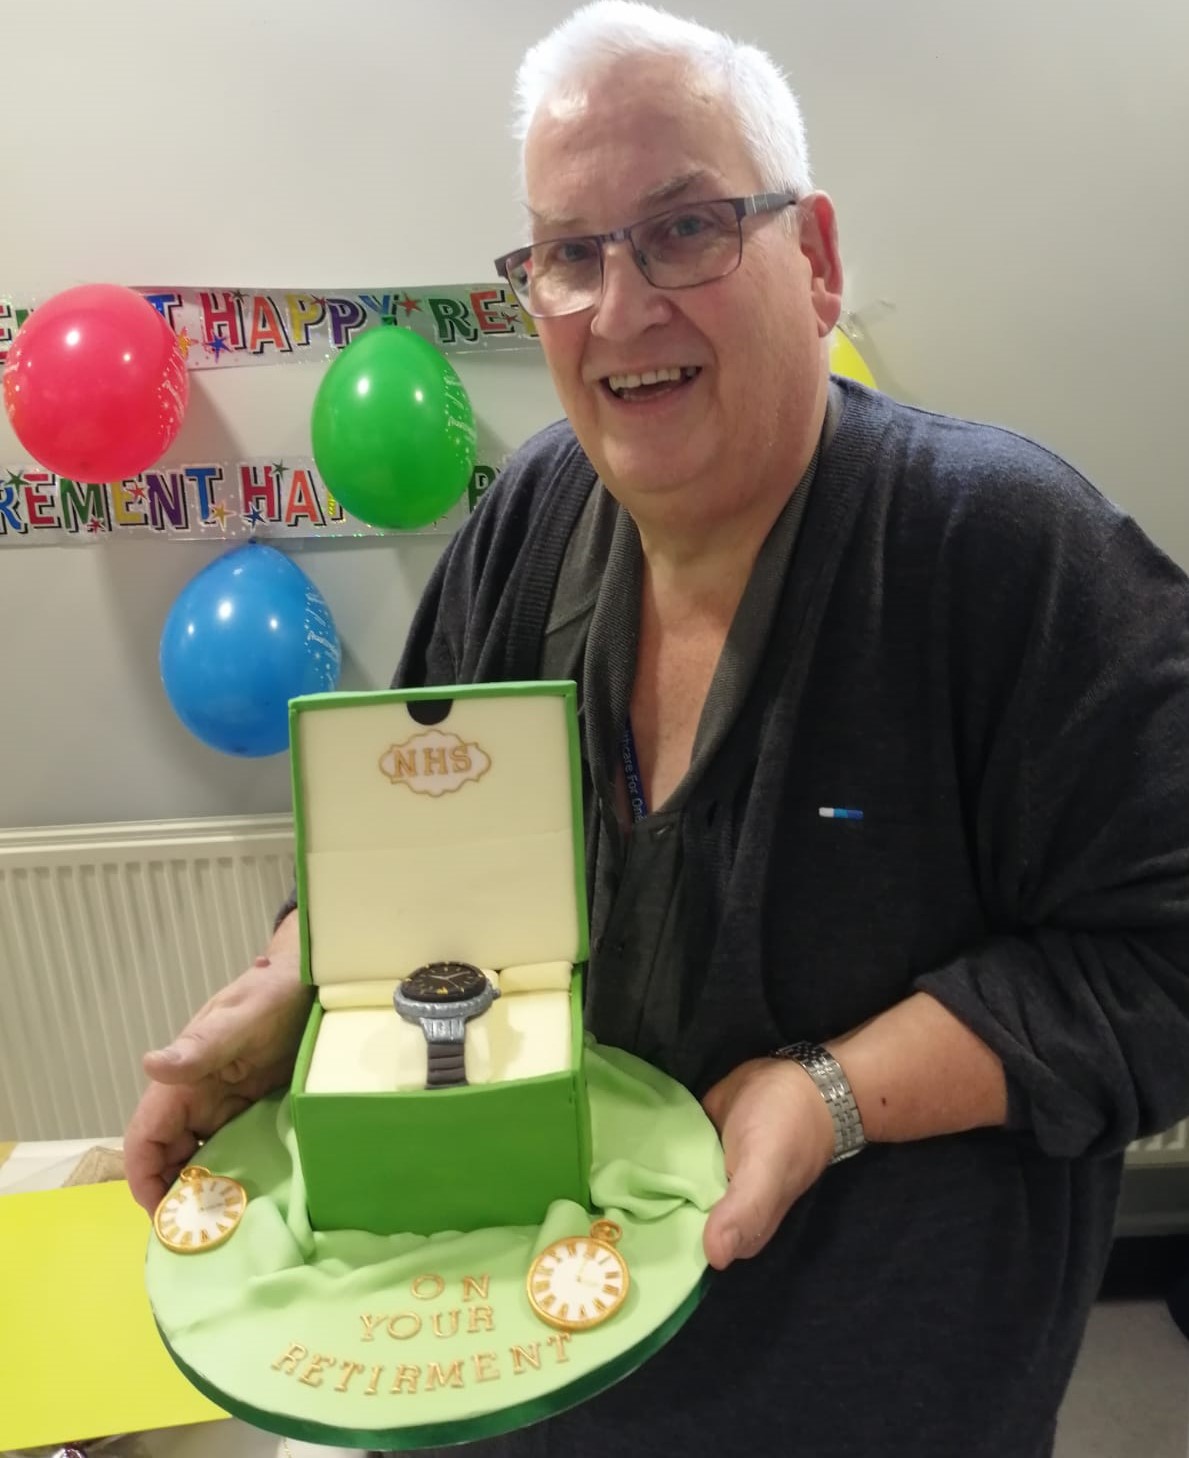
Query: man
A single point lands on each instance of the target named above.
(903, 707)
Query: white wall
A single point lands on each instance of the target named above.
(1011, 178)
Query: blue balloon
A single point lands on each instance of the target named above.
(246, 635)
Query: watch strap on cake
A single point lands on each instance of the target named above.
(834, 1086)
(445, 1064)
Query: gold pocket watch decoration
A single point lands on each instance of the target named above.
(200, 1212)
(581, 1281)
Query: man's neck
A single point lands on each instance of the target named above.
(702, 561)
(704, 571)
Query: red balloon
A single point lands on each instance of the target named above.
(95, 384)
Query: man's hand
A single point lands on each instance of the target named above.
(777, 1138)
(238, 1048)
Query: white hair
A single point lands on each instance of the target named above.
(607, 31)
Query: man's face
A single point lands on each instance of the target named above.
(636, 140)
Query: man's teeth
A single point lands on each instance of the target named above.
(651, 377)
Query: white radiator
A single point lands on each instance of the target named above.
(110, 937)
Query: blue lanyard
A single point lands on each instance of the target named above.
(631, 772)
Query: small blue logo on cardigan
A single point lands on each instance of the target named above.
(837, 812)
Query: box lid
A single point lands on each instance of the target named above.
(440, 823)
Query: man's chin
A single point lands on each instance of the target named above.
(636, 473)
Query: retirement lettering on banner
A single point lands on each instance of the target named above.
(221, 328)
(205, 501)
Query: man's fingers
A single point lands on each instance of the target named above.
(714, 1105)
(745, 1219)
(208, 1045)
(156, 1140)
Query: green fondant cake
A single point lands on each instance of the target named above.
(376, 1290)
(404, 1341)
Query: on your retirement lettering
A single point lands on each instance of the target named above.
(446, 1314)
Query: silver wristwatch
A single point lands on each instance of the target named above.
(442, 997)
(826, 1072)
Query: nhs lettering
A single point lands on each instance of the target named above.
(434, 763)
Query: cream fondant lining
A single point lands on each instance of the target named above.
(336, 995)
(410, 858)
(366, 1047)
(377, 913)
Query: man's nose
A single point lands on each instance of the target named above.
(629, 304)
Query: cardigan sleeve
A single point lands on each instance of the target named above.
(1082, 815)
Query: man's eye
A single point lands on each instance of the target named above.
(688, 225)
(567, 252)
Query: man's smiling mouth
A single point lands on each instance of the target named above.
(650, 383)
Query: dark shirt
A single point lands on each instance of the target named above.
(643, 989)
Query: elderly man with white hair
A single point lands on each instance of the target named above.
(901, 886)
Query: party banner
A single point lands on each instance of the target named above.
(207, 500)
(218, 328)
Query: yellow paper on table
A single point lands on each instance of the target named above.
(79, 1354)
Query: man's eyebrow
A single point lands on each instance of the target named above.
(654, 199)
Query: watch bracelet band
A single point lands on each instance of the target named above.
(446, 1065)
(834, 1086)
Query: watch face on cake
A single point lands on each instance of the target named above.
(580, 1282)
(444, 982)
(200, 1212)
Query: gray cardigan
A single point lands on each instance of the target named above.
(991, 661)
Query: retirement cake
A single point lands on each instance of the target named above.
(464, 1215)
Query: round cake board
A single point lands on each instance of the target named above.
(406, 1341)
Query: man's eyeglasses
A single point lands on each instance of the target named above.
(677, 249)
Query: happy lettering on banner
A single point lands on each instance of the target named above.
(211, 501)
(222, 328)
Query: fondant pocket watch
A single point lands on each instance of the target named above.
(200, 1212)
(580, 1281)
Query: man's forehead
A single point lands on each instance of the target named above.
(684, 184)
(635, 134)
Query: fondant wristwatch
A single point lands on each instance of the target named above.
(826, 1072)
(443, 997)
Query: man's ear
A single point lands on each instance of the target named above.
(818, 229)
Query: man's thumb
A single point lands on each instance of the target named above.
(742, 1222)
(194, 1053)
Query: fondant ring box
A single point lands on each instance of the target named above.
(419, 1252)
(436, 829)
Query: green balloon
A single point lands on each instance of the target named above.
(393, 430)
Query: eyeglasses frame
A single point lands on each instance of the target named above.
(754, 205)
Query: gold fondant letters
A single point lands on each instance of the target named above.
(402, 1326)
(437, 1287)
(411, 1375)
(350, 1369)
(487, 1367)
(452, 1377)
(288, 1360)
(312, 1376)
(530, 1354)
(404, 762)
(406, 1377)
